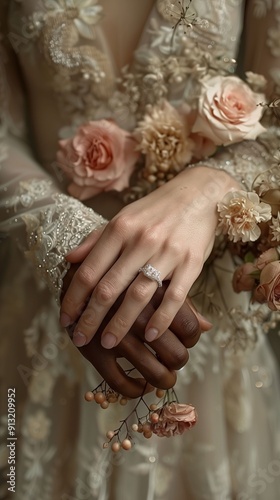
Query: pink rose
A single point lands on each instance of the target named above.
(269, 288)
(100, 157)
(244, 277)
(269, 255)
(174, 419)
(228, 111)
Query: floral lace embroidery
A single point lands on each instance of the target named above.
(53, 232)
(64, 31)
(82, 75)
(28, 192)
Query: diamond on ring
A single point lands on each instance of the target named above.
(152, 273)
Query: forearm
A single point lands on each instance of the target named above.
(45, 223)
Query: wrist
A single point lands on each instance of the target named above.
(216, 182)
(203, 186)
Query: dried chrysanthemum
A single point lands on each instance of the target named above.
(239, 215)
(163, 138)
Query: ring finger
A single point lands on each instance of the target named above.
(136, 298)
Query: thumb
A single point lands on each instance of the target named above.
(205, 325)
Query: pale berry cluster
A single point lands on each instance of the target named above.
(121, 437)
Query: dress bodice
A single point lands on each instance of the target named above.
(77, 57)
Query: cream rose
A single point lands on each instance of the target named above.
(228, 111)
(268, 290)
(174, 419)
(100, 157)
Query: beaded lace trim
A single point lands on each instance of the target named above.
(53, 232)
(244, 161)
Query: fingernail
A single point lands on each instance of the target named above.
(151, 334)
(108, 340)
(199, 316)
(65, 320)
(79, 339)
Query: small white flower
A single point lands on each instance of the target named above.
(239, 215)
(88, 15)
(85, 13)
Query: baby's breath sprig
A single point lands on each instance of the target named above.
(186, 17)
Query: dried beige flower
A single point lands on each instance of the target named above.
(163, 138)
(239, 215)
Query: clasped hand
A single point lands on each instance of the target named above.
(166, 229)
(155, 361)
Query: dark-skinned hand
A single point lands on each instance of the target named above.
(156, 361)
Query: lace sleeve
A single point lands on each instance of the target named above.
(261, 55)
(46, 223)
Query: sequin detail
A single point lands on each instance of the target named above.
(53, 232)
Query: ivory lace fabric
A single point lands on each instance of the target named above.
(62, 63)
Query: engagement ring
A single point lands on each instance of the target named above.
(152, 273)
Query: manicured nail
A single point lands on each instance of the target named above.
(65, 320)
(79, 339)
(151, 334)
(108, 340)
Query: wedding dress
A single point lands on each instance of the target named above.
(64, 62)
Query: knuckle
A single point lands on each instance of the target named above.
(88, 319)
(160, 375)
(176, 294)
(85, 275)
(121, 224)
(139, 292)
(104, 293)
(150, 236)
(179, 359)
(192, 331)
(69, 306)
(120, 323)
(165, 379)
